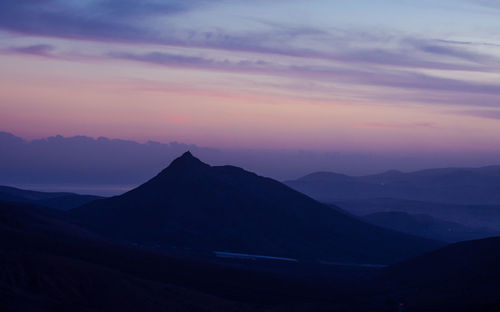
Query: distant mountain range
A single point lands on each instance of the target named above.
(224, 208)
(451, 204)
(60, 201)
(448, 185)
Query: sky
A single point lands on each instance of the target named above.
(362, 76)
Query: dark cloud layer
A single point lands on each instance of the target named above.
(102, 20)
(103, 164)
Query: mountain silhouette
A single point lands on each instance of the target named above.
(446, 185)
(193, 205)
(56, 200)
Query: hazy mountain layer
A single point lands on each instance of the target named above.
(60, 201)
(448, 185)
(427, 226)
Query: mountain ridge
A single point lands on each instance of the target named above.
(191, 204)
(55, 200)
(446, 185)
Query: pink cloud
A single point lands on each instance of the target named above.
(395, 125)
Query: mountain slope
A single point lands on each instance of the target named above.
(58, 200)
(48, 264)
(193, 205)
(447, 185)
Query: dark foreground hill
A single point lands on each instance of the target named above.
(460, 277)
(196, 206)
(47, 264)
(56, 200)
(447, 185)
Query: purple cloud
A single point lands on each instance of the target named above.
(344, 60)
(113, 20)
(402, 57)
(37, 49)
(116, 20)
(445, 49)
(382, 78)
(397, 125)
(489, 114)
(184, 61)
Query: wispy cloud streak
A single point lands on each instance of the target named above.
(430, 70)
(488, 114)
(37, 49)
(383, 78)
(124, 21)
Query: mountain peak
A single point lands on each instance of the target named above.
(186, 161)
(187, 155)
(182, 165)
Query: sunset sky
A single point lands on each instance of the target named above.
(349, 76)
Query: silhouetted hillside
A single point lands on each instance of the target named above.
(448, 185)
(193, 205)
(426, 226)
(60, 201)
(47, 264)
(460, 277)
